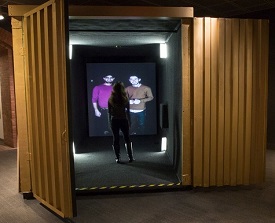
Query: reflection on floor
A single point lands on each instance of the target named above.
(95, 167)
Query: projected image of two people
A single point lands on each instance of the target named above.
(141, 96)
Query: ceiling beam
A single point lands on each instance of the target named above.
(114, 12)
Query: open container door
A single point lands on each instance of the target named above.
(46, 44)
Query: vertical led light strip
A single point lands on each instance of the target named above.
(73, 148)
(71, 51)
(163, 144)
(163, 50)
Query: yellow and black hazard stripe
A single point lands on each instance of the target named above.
(129, 187)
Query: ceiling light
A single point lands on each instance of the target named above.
(3, 12)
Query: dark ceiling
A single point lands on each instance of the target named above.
(213, 8)
(139, 32)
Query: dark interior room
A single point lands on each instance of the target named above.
(94, 162)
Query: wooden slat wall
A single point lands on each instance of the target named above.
(230, 101)
(47, 106)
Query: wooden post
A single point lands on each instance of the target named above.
(23, 156)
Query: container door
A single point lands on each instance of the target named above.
(229, 91)
(46, 52)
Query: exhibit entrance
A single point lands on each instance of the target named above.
(124, 49)
(216, 133)
(35, 67)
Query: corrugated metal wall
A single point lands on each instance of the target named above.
(229, 92)
(46, 91)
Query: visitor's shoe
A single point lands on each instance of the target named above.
(116, 148)
(129, 150)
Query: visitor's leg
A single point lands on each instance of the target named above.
(129, 149)
(128, 143)
(116, 146)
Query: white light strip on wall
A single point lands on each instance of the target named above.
(163, 143)
(1, 17)
(71, 51)
(73, 148)
(163, 50)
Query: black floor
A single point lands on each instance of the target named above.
(219, 205)
(95, 166)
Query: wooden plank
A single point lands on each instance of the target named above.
(228, 103)
(259, 98)
(56, 111)
(85, 12)
(62, 116)
(264, 60)
(254, 104)
(44, 147)
(198, 102)
(186, 102)
(214, 99)
(235, 98)
(262, 99)
(81, 12)
(241, 103)
(248, 102)
(64, 38)
(32, 103)
(221, 103)
(207, 104)
(265, 51)
(48, 85)
(21, 115)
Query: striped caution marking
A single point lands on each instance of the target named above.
(129, 187)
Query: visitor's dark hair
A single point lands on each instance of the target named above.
(118, 95)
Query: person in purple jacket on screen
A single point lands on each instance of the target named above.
(100, 96)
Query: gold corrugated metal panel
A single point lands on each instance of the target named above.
(47, 106)
(230, 96)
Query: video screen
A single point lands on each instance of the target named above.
(140, 83)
